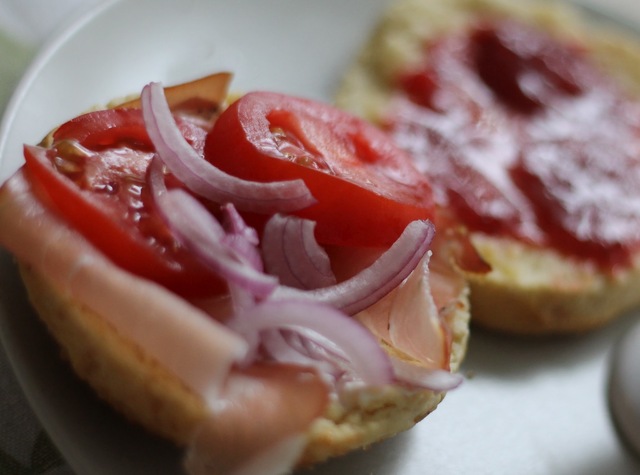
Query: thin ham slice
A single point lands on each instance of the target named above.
(291, 252)
(407, 319)
(267, 411)
(196, 348)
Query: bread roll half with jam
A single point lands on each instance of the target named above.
(524, 115)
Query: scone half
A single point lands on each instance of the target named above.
(533, 288)
(188, 368)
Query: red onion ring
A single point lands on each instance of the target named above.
(326, 338)
(325, 326)
(291, 252)
(286, 346)
(203, 178)
(234, 233)
(235, 225)
(240, 237)
(319, 352)
(199, 231)
(237, 236)
(155, 178)
(377, 280)
(319, 335)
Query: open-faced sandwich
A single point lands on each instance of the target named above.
(264, 282)
(525, 116)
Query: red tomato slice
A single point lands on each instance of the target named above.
(367, 189)
(105, 127)
(94, 175)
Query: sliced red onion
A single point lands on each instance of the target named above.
(313, 342)
(234, 224)
(155, 177)
(286, 346)
(244, 241)
(205, 179)
(437, 380)
(305, 344)
(324, 326)
(198, 230)
(281, 349)
(241, 237)
(237, 237)
(291, 252)
(314, 334)
(377, 280)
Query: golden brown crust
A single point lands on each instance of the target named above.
(537, 291)
(144, 392)
(530, 290)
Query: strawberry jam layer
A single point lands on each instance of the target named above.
(522, 136)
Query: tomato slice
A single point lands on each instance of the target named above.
(103, 128)
(367, 189)
(94, 175)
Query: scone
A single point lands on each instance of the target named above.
(523, 115)
(256, 347)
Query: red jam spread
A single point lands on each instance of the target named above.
(523, 136)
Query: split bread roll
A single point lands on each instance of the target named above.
(77, 292)
(531, 289)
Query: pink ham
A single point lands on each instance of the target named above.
(197, 349)
(259, 423)
(185, 340)
(408, 320)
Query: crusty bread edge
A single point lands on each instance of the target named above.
(546, 292)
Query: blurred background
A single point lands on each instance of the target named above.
(25, 25)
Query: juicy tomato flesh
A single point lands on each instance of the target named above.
(367, 190)
(94, 175)
(521, 135)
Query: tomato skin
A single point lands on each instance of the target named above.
(101, 128)
(94, 175)
(367, 190)
(104, 128)
(132, 235)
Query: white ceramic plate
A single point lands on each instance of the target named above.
(528, 407)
